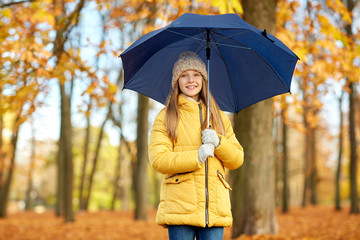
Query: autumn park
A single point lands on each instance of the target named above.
(74, 158)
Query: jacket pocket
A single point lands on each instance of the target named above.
(223, 196)
(180, 193)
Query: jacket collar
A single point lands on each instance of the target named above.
(188, 104)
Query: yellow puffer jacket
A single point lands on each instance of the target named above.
(193, 194)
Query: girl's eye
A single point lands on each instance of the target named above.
(196, 74)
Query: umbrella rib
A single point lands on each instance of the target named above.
(184, 35)
(227, 70)
(272, 69)
(215, 50)
(200, 40)
(256, 54)
(218, 52)
(246, 45)
(228, 45)
(230, 37)
(204, 41)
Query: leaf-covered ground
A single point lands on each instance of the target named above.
(311, 223)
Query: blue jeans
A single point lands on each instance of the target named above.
(185, 232)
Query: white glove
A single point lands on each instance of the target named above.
(210, 136)
(205, 151)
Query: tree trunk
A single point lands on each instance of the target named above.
(64, 23)
(96, 156)
(285, 202)
(28, 199)
(277, 162)
(313, 172)
(126, 179)
(338, 169)
(354, 198)
(310, 168)
(66, 159)
(6, 187)
(307, 164)
(156, 188)
(310, 162)
(353, 155)
(86, 151)
(60, 176)
(253, 195)
(254, 183)
(2, 162)
(116, 184)
(141, 179)
(83, 196)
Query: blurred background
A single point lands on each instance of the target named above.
(71, 139)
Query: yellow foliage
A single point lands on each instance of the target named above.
(6, 12)
(113, 88)
(229, 6)
(328, 29)
(236, 5)
(287, 36)
(93, 85)
(221, 5)
(285, 12)
(338, 6)
(302, 54)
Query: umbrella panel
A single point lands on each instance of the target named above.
(237, 73)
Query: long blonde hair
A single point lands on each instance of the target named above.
(173, 115)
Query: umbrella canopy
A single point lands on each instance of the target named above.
(247, 65)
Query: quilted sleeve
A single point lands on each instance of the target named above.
(229, 151)
(161, 151)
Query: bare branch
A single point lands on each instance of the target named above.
(4, 5)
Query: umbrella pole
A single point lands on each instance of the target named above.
(208, 94)
(208, 72)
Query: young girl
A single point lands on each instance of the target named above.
(194, 198)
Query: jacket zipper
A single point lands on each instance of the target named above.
(206, 181)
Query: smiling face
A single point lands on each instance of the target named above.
(190, 83)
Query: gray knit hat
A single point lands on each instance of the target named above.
(188, 61)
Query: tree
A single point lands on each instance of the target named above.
(24, 67)
(253, 196)
(354, 197)
(141, 191)
(5, 188)
(338, 167)
(64, 24)
(96, 155)
(328, 56)
(82, 205)
(348, 69)
(311, 80)
(28, 200)
(84, 196)
(285, 159)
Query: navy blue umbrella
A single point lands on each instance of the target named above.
(245, 65)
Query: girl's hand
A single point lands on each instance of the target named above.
(209, 136)
(205, 151)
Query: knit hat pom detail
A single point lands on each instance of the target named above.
(188, 61)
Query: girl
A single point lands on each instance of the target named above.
(194, 198)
